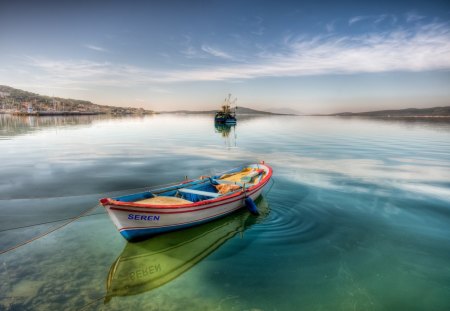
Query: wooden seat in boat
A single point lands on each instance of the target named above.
(199, 192)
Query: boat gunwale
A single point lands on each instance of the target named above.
(208, 206)
(118, 204)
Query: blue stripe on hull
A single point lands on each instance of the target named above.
(140, 234)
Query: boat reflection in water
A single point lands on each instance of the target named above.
(149, 264)
(228, 132)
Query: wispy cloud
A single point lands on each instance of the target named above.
(375, 19)
(412, 17)
(216, 52)
(258, 26)
(386, 18)
(356, 19)
(424, 48)
(70, 73)
(421, 49)
(95, 48)
(189, 50)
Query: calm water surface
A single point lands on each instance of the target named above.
(357, 218)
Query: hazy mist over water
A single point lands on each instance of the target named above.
(357, 217)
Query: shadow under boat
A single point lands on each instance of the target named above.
(149, 264)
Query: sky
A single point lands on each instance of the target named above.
(309, 56)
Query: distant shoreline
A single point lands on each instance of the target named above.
(379, 117)
(82, 113)
(56, 113)
(66, 113)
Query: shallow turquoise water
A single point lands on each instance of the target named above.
(358, 216)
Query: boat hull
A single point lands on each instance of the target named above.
(228, 120)
(136, 223)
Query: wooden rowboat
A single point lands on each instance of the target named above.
(188, 203)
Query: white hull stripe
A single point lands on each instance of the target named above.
(182, 223)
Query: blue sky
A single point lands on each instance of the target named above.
(314, 57)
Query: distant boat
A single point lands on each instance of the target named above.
(146, 265)
(188, 203)
(226, 115)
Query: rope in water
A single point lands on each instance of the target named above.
(71, 219)
(47, 222)
(65, 224)
(47, 232)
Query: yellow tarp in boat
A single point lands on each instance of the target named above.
(224, 188)
(236, 177)
(164, 201)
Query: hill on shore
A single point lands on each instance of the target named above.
(400, 113)
(12, 99)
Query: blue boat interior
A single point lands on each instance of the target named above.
(194, 191)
